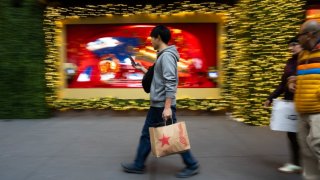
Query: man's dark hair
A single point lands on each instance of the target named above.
(161, 31)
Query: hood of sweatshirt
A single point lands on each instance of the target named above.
(171, 49)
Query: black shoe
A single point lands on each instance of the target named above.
(188, 172)
(132, 168)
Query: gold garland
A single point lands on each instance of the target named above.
(53, 25)
(252, 61)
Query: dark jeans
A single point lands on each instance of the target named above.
(154, 118)
(294, 147)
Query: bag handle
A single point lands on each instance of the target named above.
(165, 122)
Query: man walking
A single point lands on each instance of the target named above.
(162, 101)
(307, 98)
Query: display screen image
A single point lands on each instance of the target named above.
(98, 55)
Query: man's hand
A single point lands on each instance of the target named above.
(167, 114)
(292, 87)
(139, 66)
(267, 103)
(136, 65)
(292, 83)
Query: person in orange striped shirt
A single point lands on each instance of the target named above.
(306, 86)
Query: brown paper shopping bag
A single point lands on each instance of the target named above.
(169, 139)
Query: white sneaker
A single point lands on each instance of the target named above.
(290, 168)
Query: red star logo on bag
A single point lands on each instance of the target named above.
(164, 140)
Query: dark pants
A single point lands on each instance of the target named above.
(154, 118)
(294, 147)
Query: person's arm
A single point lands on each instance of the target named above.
(287, 80)
(169, 68)
(279, 90)
(292, 83)
(139, 67)
(167, 112)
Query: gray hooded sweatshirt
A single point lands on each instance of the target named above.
(165, 79)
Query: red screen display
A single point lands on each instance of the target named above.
(98, 54)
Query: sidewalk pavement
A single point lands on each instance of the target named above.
(91, 146)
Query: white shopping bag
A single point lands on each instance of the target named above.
(284, 116)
